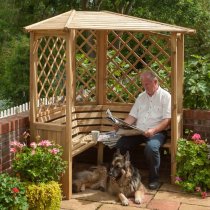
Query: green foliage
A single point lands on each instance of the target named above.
(193, 165)
(44, 196)
(197, 83)
(15, 75)
(40, 162)
(12, 193)
(192, 13)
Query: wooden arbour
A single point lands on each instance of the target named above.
(82, 63)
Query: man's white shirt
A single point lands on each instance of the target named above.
(151, 110)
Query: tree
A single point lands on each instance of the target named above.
(15, 75)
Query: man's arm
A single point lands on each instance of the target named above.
(160, 127)
(129, 119)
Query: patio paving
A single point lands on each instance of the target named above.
(167, 197)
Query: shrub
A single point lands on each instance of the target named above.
(44, 196)
(12, 193)
(193, 165)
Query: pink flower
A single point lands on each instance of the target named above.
(33, 145)
(178, 179)
(17, 144)
(13, 150)
(199, 141)
(45, 143)
(203, 194)
(54, 151)
(196, 136)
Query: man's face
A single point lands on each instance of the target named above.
(149, 85)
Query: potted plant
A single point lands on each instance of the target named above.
(193, 165)
(12, 193)
(41, 166)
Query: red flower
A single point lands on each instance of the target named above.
(15, 190)
(203, 194)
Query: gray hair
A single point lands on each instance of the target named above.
(149, 74)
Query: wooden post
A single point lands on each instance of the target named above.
(33, 84)
(180, 81)
(101, 66)
(70, 68)
(174, 127)
(101, 80)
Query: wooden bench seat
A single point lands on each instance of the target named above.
(93, 117)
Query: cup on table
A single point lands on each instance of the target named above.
(95, 135)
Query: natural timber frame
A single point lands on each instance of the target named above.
(82, 63)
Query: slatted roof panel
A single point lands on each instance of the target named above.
(103, 20)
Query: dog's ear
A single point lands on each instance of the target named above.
(127, 156)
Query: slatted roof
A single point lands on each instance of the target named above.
(103, 20)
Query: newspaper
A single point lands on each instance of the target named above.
(109, 138)
(125, 129)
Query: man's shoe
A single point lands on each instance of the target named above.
(154, 185)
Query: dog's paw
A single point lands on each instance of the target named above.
(138, 200)
(125, 202)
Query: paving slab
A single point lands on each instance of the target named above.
(171, 188)
(183, 198)
(75, 204)
(96, 196)
(162, 204)
(147, 199)
(119, 207)
(193, 207)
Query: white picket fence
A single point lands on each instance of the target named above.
(14, 110)
(26, 106)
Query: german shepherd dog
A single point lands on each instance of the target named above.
(95, 178)
(124, 180)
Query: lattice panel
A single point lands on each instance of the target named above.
(86, 66)
(129, 53)
(51, 76)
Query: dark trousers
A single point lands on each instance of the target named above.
(151, 151)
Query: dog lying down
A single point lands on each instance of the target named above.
(95, 178)
(122, 179)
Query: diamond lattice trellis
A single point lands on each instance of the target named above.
(129, 53)
(51, 87)
(86, 66)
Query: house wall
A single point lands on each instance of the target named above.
(12, 128)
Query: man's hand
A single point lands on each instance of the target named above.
(150, 132)
(116, 127)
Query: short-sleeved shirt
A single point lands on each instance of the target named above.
(151, 110)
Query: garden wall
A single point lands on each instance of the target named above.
(198, 121)
(11, 128)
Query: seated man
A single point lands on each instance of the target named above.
(151, 113)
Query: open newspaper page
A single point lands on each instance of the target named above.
(109, 138)
(124, 128)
